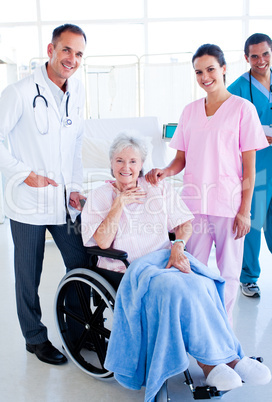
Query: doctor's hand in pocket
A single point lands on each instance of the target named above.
(35, 180)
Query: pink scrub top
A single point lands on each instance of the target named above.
(212, 183)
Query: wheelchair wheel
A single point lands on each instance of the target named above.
(84, 306)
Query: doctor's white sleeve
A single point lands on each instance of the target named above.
(11, 109)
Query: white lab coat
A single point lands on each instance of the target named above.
(56, 154)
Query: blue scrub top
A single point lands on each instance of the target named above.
(262, 100)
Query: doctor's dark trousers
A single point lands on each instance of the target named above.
(29, 245)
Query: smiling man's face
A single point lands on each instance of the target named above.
(65, 57)
(259, 58)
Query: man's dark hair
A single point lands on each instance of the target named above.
(255, 39)
(67, 27)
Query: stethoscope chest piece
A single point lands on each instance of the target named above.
(67, 122)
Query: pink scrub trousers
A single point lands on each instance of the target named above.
(229, 252)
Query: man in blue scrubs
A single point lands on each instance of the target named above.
(256, 86)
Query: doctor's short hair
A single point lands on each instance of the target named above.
(123, 141)
(67, 27)
(255, 39)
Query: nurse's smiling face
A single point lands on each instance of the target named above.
(209, 74)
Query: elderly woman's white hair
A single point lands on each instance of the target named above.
(123, 141)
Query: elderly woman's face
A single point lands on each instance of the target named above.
(126, 166)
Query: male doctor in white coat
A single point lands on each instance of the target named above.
(42, 117)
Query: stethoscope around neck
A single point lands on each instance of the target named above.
(42, 120)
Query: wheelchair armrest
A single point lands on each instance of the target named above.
(108, 252)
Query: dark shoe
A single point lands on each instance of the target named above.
(47, 353)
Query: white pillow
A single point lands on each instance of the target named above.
(148, 164)
(94, 174)
(95, 153)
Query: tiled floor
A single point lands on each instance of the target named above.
(23, 378)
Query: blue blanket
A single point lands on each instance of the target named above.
(161, 315)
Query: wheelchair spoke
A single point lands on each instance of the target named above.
(81, 342)
(97, 315)
(100, 347)
(69, 313)
(97, 320)
(84, 301)
(102, 331)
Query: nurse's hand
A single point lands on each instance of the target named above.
(269, 139)
(75, 200)
(178, 259)
(154, 176)
(241, 225)
(35, 180)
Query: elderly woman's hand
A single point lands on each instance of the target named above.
(130, 196)
(178, 259)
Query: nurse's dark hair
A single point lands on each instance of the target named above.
(255, 39)
(67, 27)
(211, 50)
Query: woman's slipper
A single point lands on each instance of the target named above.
(223, 378)
(252, 371)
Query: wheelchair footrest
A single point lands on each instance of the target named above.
(207, 392)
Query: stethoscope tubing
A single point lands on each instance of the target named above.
(250, 86)
(39, 96)
(67, 120)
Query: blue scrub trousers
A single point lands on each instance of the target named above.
(261, 217)
(29, 245)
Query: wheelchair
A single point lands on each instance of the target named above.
(85, 324)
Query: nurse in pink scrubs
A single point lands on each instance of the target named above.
(216, 140)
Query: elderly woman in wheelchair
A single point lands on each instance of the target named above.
(168, 304)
